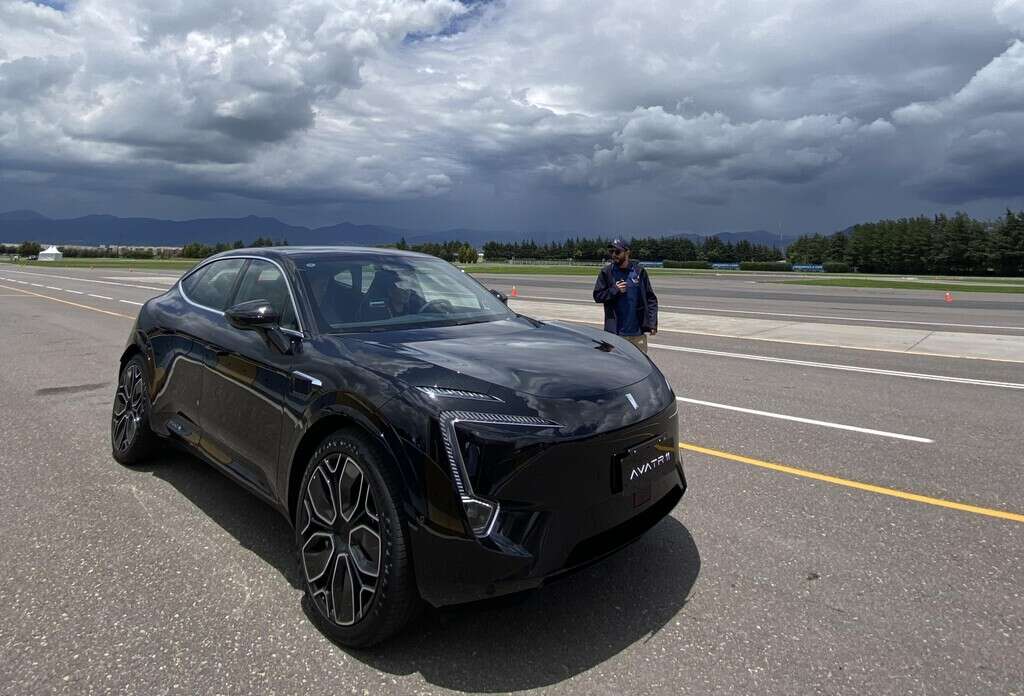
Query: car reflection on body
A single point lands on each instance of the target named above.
(427, 443)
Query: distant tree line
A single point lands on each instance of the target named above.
(198, 250)
(25, 249)
(711, 249)
(463, 252)
(100, 252)
(942, 244)
(957, 245)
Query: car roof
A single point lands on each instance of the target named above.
(282, 252)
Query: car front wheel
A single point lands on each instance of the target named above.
(353, 543)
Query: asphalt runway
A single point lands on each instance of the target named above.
(854, 524)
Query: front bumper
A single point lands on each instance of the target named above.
(562, 507)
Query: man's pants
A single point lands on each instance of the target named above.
(638, 341)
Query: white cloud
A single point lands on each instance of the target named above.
(1010, 13)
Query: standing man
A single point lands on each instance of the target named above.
(630, 305)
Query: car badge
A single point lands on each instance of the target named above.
(632, 401)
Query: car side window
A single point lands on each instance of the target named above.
(264, 281)
(211, 285)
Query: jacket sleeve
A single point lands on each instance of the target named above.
(650, 304)
(604, 291)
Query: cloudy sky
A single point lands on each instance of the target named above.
(549, 115)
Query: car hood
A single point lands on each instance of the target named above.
(525, 356)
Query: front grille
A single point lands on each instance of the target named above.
(593, 548)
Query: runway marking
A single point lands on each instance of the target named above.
(809, 421)
(89, 280)
(715, 310)
(99, 297)
(35, 285)
(841, 318)
(73, 304)
(845, 368)
(137, 304)
(871, 488)
(50, 287)
(77, 292)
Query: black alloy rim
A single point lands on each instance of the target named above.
(129, 407)
(341, 540)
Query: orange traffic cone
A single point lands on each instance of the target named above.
(515, 293)
(949, 296)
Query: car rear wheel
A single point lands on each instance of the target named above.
(131, 439)
(353, 543)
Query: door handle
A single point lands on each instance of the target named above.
(307, 378)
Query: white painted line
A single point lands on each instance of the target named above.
(145, 278)
(137, 304)
(845, 368)
(100, 297)
(91, 280)
(716, 310)
(35, 285)
(77, 292)
(809, 421)
(50, 287)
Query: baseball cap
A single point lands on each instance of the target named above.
(618, 244)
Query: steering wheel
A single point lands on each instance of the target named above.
(439, 306)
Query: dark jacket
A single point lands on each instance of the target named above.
(607, 294)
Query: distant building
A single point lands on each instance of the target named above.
(51, 253)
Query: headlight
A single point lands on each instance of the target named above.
(481, 513)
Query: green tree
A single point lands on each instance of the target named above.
(29, 248)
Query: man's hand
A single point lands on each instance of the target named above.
(621, 285)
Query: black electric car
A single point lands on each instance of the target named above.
(426, 442)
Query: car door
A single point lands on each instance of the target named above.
(180, 355)
(246, 381)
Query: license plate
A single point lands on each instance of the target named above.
(640, 465)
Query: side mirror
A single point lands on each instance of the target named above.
(254, 314)
(501, 296)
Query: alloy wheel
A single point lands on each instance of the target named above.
(129, 407)
(340, 531)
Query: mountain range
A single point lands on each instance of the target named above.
(95, 230)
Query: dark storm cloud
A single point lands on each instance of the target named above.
(570, 113)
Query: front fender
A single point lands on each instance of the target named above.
(332, 411)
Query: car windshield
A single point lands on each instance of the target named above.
(351, 293)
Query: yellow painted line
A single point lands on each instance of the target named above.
(881, 490)
(73, 304)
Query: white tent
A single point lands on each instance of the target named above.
(52, 253)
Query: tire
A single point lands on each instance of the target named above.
(131, 440)
(353, 544)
